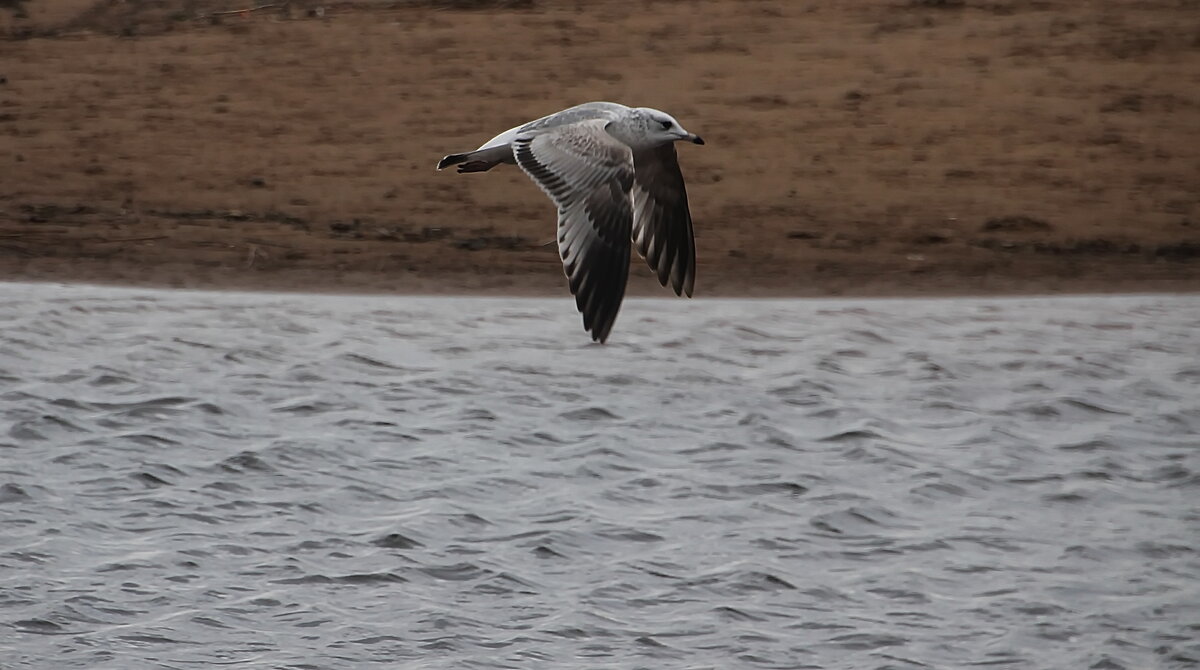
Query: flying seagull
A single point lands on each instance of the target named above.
(613, 173)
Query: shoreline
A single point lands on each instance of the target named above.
(566, 297)
(640, 286)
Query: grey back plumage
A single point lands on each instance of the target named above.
(585, 112)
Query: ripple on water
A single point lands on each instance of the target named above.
(335, 482)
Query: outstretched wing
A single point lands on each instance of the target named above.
(662, 224)
(588, 174)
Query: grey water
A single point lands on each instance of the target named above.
(248, 480)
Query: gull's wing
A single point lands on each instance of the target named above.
(662, 224)
(588, 174)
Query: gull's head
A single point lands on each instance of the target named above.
(663, 127)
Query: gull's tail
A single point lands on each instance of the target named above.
(452, 159)
(480, 160)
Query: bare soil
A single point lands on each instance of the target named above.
(868, 147)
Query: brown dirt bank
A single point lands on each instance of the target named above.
(856, 147)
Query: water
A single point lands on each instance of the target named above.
(264, 481)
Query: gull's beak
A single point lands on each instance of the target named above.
(694, 138)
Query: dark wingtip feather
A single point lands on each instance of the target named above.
(689, 277)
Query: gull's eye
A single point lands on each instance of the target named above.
(666, 125)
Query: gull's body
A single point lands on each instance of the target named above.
(613, 173)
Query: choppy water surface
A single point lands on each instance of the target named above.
(325, 482)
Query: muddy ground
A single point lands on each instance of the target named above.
(870, 147)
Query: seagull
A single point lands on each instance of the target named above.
(613, 172)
